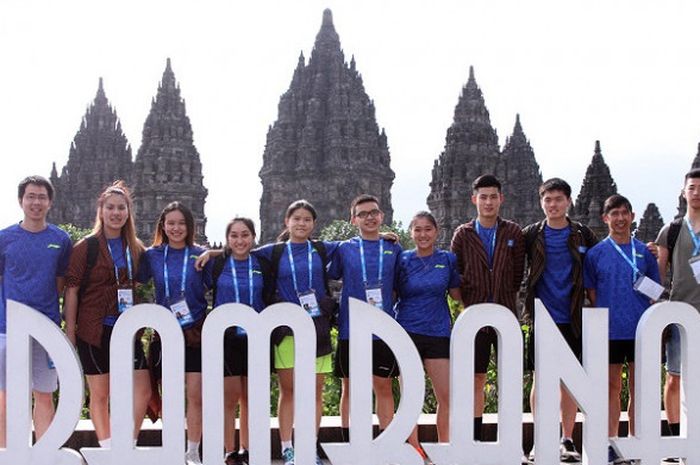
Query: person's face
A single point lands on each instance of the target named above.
(115, 212)
(300, 224)
(368, 217)
(240, 239)
(555, 204)
(691, 193)
(619, 220)
(175, 227)
(488, 201)
(424, 233)
(35, 202)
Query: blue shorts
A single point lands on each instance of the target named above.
(673, 351)
(44, 377)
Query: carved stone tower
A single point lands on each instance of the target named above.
(597, 186)
(520, 175)
(471, 149)
(325, 146)
(167, 166)
(98, 155)
(650, 224)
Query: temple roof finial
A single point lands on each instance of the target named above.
(327, 17)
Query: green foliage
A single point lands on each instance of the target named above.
(75, 232)
(341, 230)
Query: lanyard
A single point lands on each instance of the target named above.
(632, 263)
(696, 239)
(492, 246)
(114, 262)
(364, 265)
(291, 264)
(184, 271)
(250, 280)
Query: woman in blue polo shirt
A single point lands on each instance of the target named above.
(180, 288)
(426, 275)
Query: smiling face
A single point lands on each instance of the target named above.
(300, 224)
(555, 204)
(424, 234)
(175, 228)
(115, 213)
(367, 217)
(35, 203)
(240, 240)
(619, 221)
(488, 202)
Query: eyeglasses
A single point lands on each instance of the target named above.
(373, 213)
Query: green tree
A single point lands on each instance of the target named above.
(74, 232)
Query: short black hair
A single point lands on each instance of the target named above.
(616, 201)
(360, 199)
(39, 181)
(486, 180)
(555, 184)
(693, 174)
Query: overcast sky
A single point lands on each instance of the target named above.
(624, 72)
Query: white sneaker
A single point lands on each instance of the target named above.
(192, 458)
(288, 456)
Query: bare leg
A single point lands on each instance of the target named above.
(3, 418)
(193, 382)
(479, 384)
(345, 403)
(672, 398)
(630, 405)
(614, 389)
(384, 400)
(99, 404)
(43, 412)
(285, 406)
(568, 413)
(243, 431)
(142, 394)
(439, 371)
(232, 393)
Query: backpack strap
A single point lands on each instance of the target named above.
(216, 270)
(674, 229)
(93, 248)
(321, 249)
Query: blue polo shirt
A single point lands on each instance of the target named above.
(225, 289)
(347, 265)
(555, 285)
(422, 287)
(30, 262)
(612, 278)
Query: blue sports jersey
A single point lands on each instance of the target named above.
(612, 278)
(30, 262)
(422, 285)
(196, 283)
(555, 285)
(347, 265)
(285, 283)
(487, 236)
(225, 290)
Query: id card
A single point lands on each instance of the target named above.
(125, 299)
(649, 288)
(374, 297)
(308, 302)
(182, 312)
(694, 263)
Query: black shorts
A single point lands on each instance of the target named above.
(95, 360)
(193, 358)
(485, 339)
(571, 339)
(621, 351)
(235, 354)
(431, 346)
(383, 361)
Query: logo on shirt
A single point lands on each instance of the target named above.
(53, 246)
(511, 242)
(194, 257)
(388, 252)
(439, 266)
(582, 249)
(257, 272)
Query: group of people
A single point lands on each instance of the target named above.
(560, 261)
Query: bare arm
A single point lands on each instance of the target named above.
(205, 256)
(60, 284)
(70, 312)
(456, 294)
(662, 260)
(591, 295)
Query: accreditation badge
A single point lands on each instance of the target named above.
(182, 312)
(649, 288)
(308, 302)
(125, 299)
(694, 263)
(374, 297)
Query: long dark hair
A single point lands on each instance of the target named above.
(159, 237)
(294, 206)
(239, 219)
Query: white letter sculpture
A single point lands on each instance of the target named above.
(121, 382)
(463, 449)
(23, 324)
(556, 364)
(647, 444)
(390, 447)
(259, 326)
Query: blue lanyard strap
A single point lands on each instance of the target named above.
(695, 237)
(492, 246)
(184, 272)
(364, 264)
(235, 280)
(293, 268)
(632, 263)
(128, 263)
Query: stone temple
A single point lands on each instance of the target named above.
(325, 146)
(167, 165)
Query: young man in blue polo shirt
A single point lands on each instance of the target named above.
(33, 259)
(367, 265)
(622, 275)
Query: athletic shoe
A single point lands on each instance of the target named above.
(288, 456)
(568, 452)
(529, 459)
(614, 459)
(192, 458)
(671, 460)
(243, 458)
(231, 458)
